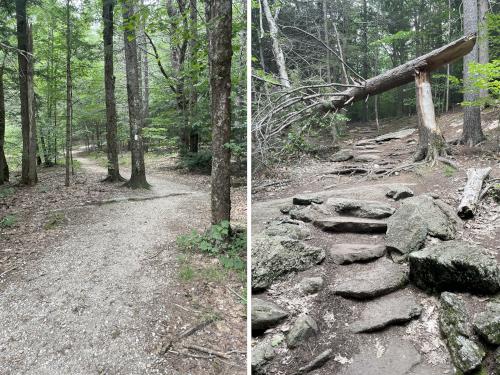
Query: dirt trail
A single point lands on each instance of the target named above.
(92, 303)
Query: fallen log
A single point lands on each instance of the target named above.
(472, 191)
(402, 74)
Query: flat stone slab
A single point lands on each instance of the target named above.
(340, 224)
(389, 310)
(266, 314)
(456, 266)
(293, 229)
(397, 357)
(346, 253)
(359, 208)
(395, 135)
(373, 280)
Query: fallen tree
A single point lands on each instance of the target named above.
(287, 107)
(472, 192)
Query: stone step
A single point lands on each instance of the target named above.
(339, 224)
(396, 308)
(370, 280)
(346, 253)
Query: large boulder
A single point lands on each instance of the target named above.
(455, 327)
(375, 279)
(487, 323)
(416, 218)
(266, 314)
(273, 257)
(264, 352)
(359, 208)
(309, 213)
(455, 266)
(303, 328)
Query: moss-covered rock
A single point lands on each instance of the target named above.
(487, 323)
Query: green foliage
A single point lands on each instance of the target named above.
(486, 76)
(220, 241)
(6, 191)
(54, 220)
(186, 272)
(449, 171)
(8, 221)
(200, 161)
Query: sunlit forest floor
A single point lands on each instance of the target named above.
(92, 279)
(313, 176)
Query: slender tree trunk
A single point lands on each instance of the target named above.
(27, 95)
(4, 168)
(138, 176)
(327, 42)
(55, 132)
(193, 94)
(431, 141)
(483, 49)
(365, 53)
(219, 28)
(145, 62)
(109, 84)
(69, 88)
(472, 132)
(447, 103)
(277, 51)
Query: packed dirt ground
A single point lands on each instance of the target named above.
(93, 282)
(412, 346)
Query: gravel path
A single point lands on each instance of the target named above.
(91, 304)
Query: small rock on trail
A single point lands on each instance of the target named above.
(346, 253)
(266, 314)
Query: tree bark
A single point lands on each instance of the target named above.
(431, 141)
(483, 49)
(472, 132)
(4, 168)
(402, 74)
(277, 51)
(69, 107)
(27, 95)
(219, 28)
(472, 191)
(109, 84)
(327, 42)
(193, 94)
(138, 175)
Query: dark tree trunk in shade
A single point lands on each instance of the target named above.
(4, 168)
(472, 132)
(138, 175)
(27, 95)
(69, 94)
(219, 28)
(109, 84)
(193, 94)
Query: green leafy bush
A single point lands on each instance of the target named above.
(197, 161)
(227, 245)
(8, 221)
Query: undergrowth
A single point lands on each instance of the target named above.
(8, 221)
(219, 241)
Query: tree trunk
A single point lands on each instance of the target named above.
(483, 49)
(402, 74)
(109, 84)
(431, 142)
(4, 168)
(472, 191)
(69, 88)
(277, 51)
(219, 29)
(327, 42)
(138, 176)
(193, 94)
(27, 95)
(145, 61)
(472, 132)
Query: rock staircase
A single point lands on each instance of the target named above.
(362, 315)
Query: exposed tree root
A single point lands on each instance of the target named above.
(112, 179)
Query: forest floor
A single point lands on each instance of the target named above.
(94, 283)
(406, 349)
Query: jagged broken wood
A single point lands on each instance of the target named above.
(472, 191)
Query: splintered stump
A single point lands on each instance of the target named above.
(472, 191)
(431, 141)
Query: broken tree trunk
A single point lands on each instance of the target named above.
(431, 141)
(403, 74)
(472, 191)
